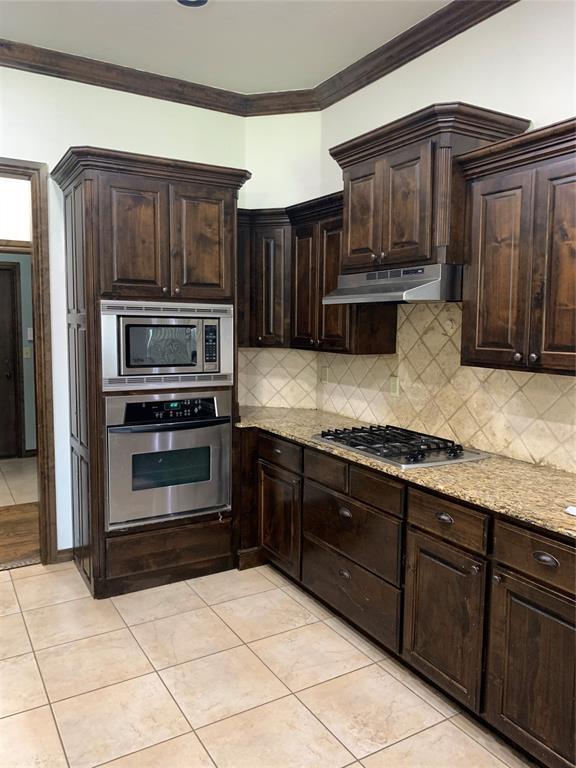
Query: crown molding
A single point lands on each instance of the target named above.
(449, 21)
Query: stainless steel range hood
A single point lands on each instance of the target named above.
(433, 282)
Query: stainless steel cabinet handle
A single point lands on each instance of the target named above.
(277, 451)
(444, 518)
(533, 357)
(345, 574)
(546, 559)
(475, 570)
(517, 357)
(345, 512)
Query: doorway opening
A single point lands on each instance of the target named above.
(27, 494)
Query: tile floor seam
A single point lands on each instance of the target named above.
(49, 704)
(404, 738)
(498, 757)
(229, 599)
(48, 605)
(330, 731)
(168, 616)
(144, 749)
(424, 682)
(32, 575)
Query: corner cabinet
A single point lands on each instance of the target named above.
(520, 276)
(403, 192)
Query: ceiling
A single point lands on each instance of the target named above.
(248, 46)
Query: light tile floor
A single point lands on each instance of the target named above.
(234, 670)
(18, 481)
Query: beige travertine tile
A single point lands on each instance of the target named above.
(229, 585)
(426, 692)
(64, 622)
(282, 733)
(437, 747)
(369, 709)
(308, 602)
(102, 725)
(6, 498)
(4, 576)
(50, 588)
(31, 739)
(267, 613)
(182, 752)
(502, 751)
(8, 601)
(94, 662)
(188, 636)
(13, 636)
(309, 655)
(20, 685)
(363, 644)
(273, 575)
(156, 603)
(221, 685)
(40, 570)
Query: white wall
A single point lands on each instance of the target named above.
(15, 209)
(520, 61)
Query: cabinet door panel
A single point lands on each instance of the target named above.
(201, 264)
(134, 236)
(497, 282)
(271, 305)
(532, 667)
(553, 322)
(444, 616)
(360, 224)
(279, 516)
(407, 205)
(304, 292)
(333, 320)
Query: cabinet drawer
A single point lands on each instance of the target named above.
(369, 538)
(451, 522)
(538, 556)
(142, 552)
(365, 599)
(377, 490)
(326, 470)
(280, 452)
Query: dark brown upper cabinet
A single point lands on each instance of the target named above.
(264, 273)
(403, 192)
(520, 276)
(165, 228)
(316, 264)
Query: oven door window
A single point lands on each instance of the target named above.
(161, 469)
(161, 346)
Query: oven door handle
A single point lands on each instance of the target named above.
(172, 427)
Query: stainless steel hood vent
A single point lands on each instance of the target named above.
(433, 282)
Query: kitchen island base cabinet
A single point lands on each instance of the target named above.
(530, 692)
(444, 616)
(279, 517)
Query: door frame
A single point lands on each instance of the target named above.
(37, 175)
(14, 268)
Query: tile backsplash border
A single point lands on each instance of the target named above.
(526, 416)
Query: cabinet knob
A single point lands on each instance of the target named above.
(383, 255)
(497, 579)
(345, 574)
(344, 512)
(277, 451)
(260, 338)
(164, 289)
(177, 289)
(533, 357)
(444, 518)
(373, 256)
(475, 570)
(517, 357)
(545, 559)
(311, 342)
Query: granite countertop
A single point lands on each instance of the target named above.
(528, 492)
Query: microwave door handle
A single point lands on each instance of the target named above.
(172, 427)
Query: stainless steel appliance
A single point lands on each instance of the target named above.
(402, 448)
(432, 282)
(155, 345)
(168, 455)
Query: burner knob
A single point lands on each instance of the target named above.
(455, 450)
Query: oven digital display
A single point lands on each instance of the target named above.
(174, 405)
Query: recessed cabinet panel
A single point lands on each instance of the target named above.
(553, 337)
(304, 286)
(360, 212)
(334, 319)
(279, 516)
(270, 310)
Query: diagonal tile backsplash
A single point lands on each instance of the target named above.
(423, 387)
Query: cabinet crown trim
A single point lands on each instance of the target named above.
(457, 118)
(319, 208)
(79, 159)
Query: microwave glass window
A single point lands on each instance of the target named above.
(160, 469)
(158, 346)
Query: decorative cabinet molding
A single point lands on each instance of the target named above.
(520, 279)
(403, 193)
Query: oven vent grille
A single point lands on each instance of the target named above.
(135, 308)
(162, 382)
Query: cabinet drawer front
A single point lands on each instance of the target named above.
(280, 452)
(451, 522)
(142, 552)
(360, 596)
(377, 490)
(369, 538)
(549, 561)
(331, 472)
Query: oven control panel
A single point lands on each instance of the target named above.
(166, 411)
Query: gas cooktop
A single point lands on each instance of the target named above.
(402, 448)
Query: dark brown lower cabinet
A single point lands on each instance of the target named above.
(279, 516)
(363, 598)
(444, 616)
(530, 692)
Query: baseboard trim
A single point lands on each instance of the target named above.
(63, 555)
(250, 558)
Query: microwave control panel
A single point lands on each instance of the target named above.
(170, 411)
(211, 345)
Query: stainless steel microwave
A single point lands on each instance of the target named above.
(151, 345)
